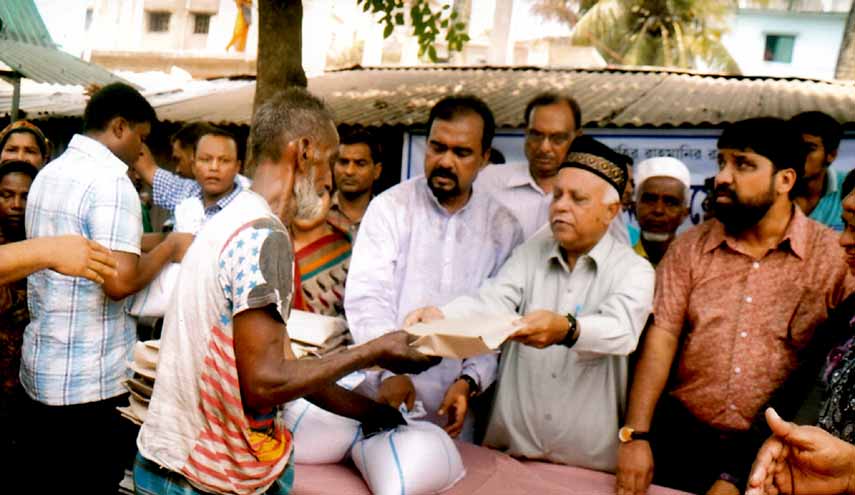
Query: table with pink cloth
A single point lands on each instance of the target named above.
(488, 472)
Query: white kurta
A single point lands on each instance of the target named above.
(558, 404)
(412, 253)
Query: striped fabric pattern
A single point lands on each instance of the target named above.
(235, 453)
(322, 270)
(197, 425)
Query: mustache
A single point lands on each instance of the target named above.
(444, 173)
(722, 190)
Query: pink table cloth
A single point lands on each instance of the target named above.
(488, 472)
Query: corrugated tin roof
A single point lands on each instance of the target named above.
(608, 97)
(22, 22)
(27, 48)
(46, 100)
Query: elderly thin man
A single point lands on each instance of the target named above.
(212, 424)
(663, 188)
(585, 296)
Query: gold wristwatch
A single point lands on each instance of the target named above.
(627, 434)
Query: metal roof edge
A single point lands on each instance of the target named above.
(623, 69)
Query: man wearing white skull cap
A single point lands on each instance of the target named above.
(663, 191)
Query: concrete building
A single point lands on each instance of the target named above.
(146, 35)
(787, 37)
(155, 35)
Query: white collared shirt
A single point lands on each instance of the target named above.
(78, 343)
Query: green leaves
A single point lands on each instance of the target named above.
(427, 24)
(673, 33)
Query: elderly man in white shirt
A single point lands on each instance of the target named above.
(425, 242)
(562, 383)
(552, 122)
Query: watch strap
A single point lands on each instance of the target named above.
(474, 389)
(572, 336)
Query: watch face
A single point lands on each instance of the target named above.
(625, 434)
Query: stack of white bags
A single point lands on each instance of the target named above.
(316, 335)
(144, 367)
(416, 459)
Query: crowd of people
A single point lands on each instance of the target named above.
(663, 355)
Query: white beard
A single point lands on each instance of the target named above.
(655, 236)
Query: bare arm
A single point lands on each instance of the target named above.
(373, 415)
(70, 255)
(635, 459)
(136, 272)
(146, 166)
(651, 375)
(268, 377)
(150, 241)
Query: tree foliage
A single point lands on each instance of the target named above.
(428, 21)
(671, 33)
(280, 63)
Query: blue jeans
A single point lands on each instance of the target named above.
(151, 479)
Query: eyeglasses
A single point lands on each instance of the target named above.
(557, 139)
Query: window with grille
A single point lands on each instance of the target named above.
(158, 22)
(201, 23)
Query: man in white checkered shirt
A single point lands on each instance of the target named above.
(78, 343)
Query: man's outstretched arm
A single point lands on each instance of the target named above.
(268, 377)
(71, 255)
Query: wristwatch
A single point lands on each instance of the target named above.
(570, 339)
(627, 434)
(474, 389)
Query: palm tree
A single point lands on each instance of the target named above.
(671, 33)
(846, 56)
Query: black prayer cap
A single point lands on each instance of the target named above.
(589, 154)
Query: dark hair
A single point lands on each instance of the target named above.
(211, 130)
(18, 166)
(286, 116)
(361, 135)
(774, 138)
(545, 99)
(116, 100)
(497, 157)
(40, 140)
(822, 125)
(188, 135)
(451, 107)
(848, 184)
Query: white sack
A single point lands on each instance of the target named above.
(321, 437)
(417, 459)
(154, 299)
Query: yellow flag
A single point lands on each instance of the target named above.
(242, 23)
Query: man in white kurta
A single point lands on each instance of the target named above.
(418, 248)
(586, 296)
